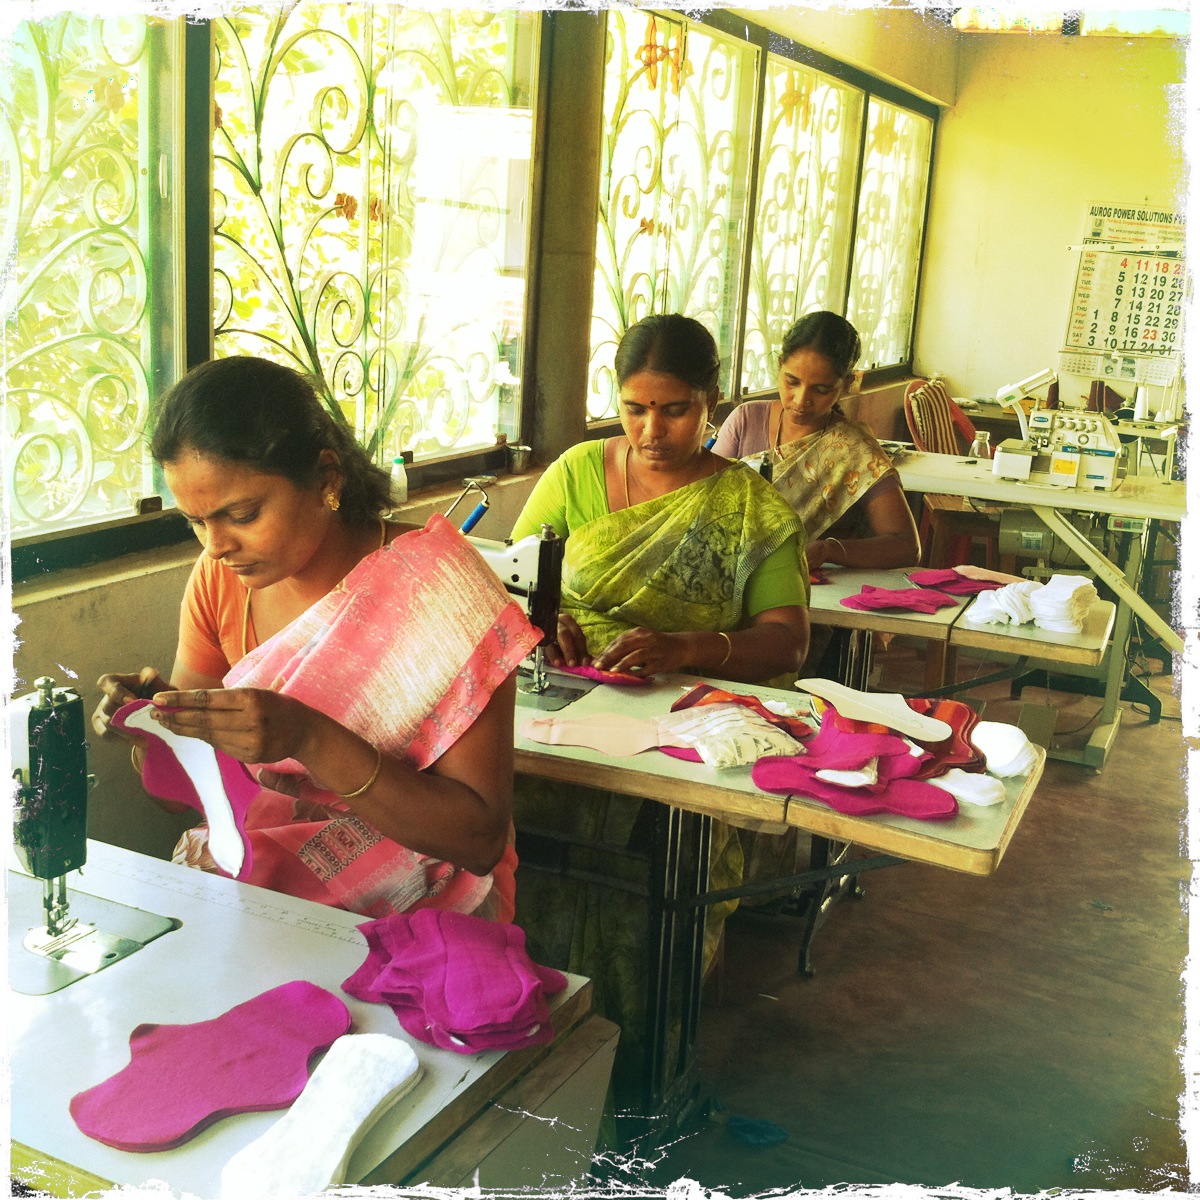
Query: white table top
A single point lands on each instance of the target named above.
(235, 942)
(825, 607)
(948, 474)
(973, 842)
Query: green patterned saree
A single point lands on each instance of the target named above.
(676, 564)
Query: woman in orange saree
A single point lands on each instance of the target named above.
(363, 670)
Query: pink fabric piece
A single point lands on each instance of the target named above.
(182, 1078)
(456, 981)
(686, 753)
(904, 797)
(164, 776)
(953, 583)
(916, 599)
(620, 678)
(835, 749)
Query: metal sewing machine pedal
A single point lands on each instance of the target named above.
(49, 758)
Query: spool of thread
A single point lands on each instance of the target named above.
(1141, 405)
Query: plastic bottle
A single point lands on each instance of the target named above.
(399, 481)
(981, 446)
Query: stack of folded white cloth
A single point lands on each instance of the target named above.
(1005, 748)
(1062, 603)
(1009, 605)
(1059, 605)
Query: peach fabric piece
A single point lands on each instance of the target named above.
(606, 733)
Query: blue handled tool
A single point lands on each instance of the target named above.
(476, 513)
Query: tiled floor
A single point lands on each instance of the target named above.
(1020, 1031)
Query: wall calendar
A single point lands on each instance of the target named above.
(1130, 293)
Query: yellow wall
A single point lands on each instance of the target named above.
(1041, 127)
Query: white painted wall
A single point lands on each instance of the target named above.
(1042, 127)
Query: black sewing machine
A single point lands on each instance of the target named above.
(49, 760)
(531, 570)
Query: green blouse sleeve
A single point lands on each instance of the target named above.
(570, 492)
(781, 579)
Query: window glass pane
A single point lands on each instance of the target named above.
(808, 156)
(85, 202)
(678, 101)
(887, 239)
(371, 181)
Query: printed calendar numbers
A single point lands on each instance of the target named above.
(1127, 303)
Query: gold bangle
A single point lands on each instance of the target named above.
(728, 649)
(842, 548)
(133, 758)
(374, 776)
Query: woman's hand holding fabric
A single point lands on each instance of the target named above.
(646, 652)
(118, 690)
(570, 648)
(253, 725)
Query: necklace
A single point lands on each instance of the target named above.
(779, 430)
(246, 625)
(710, 469)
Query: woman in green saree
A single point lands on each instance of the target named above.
(676, 559)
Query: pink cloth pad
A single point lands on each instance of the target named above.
(904, 797)
(192, 772)
(182, 1078)
(621, 678)
(457, 981)
(951, 581)
(923, 600)
(898, 789)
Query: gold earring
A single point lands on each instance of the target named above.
(334, 501)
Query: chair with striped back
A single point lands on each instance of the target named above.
(949, 524)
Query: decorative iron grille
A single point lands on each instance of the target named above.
(887, 240)
(371, 179)
(84, 195)
(808, 159)
(673, 185)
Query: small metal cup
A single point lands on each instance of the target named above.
(519, 459)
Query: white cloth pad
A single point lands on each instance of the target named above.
(970, 788)
(308, 1149)
(1005, 748)
(199, 760)
(1063, 603)
(1008, 605)
(880, 708)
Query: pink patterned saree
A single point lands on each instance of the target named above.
(406, 651)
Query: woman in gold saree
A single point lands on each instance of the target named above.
(827, 467)
(676, 559)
